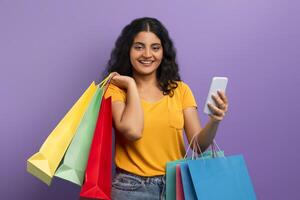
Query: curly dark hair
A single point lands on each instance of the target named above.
(167, 72)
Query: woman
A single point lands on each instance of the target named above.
(151, 106)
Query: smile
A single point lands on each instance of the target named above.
(146, 62)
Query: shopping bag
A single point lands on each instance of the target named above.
(187, 183)
(44, 163)
(74, 163)
(210, 154)
(179, 189)
(171, 170)
(188, 188)
(221, 178)
(171, 179)
(97, 183)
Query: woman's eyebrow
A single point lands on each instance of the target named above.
(154, 44)
(140, 43)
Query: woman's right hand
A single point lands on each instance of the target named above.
(121, 81)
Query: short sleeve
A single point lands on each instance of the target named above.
(115, 93)
(188, 99)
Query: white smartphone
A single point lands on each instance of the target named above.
(217, 83)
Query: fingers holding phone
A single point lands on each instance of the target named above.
(220, 108)
(217, 102)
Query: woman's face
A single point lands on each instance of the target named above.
(146, 53)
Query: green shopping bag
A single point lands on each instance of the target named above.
(74, 163)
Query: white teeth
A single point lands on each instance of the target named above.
(145, 62)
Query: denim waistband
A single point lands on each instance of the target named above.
(158, 180)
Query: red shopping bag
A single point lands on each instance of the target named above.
(179, 188)
(97, 183)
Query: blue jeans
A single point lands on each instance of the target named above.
(129, 186)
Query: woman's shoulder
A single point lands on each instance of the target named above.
(115, 88)
(182, 86)
(185, 94)
(116, 93)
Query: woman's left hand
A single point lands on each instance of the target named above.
(219, 111)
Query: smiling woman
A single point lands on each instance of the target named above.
(159, 41)
(151, 106)
(146, 53)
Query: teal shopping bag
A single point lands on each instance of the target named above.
(171, 179)
(221, 178)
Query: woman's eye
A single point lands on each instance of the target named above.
(156, 48)
(138, 47)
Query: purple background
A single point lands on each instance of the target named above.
(51, 51)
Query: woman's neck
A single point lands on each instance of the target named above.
(148, 87)
(146, 81)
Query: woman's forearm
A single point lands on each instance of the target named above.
(207, 134)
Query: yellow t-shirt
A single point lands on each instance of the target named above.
(162, 138)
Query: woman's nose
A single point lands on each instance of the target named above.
(147, 53)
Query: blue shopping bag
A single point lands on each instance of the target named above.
(221, 178)
(186, 180)
(187, 183)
